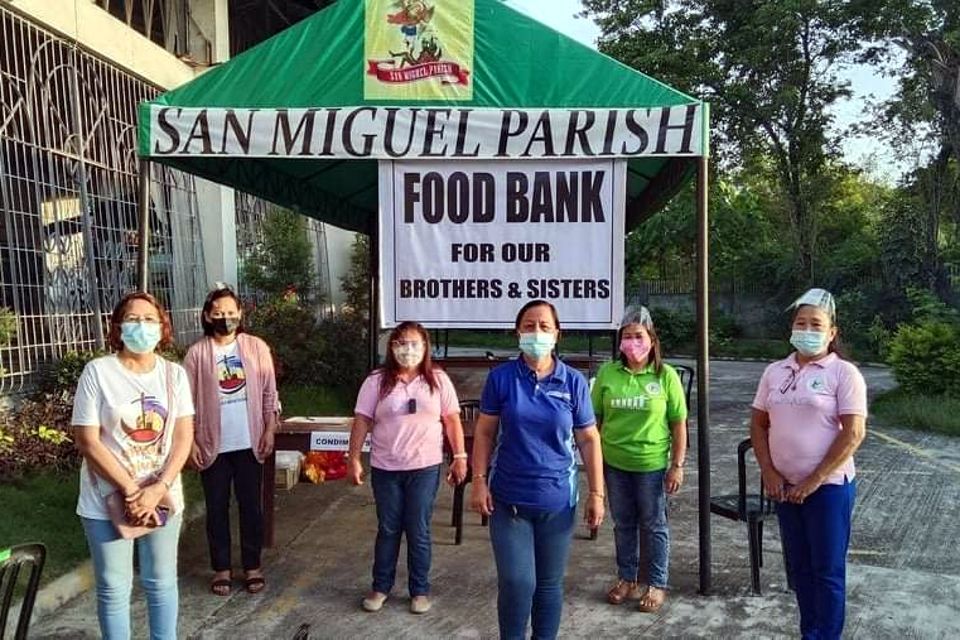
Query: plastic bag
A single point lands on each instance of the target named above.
(320, 466)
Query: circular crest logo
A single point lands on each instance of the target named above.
(653, 388)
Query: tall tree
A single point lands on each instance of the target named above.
(769, 68)
(282, 261)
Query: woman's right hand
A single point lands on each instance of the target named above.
(773, 484)
(195, 457)
(355, 471)
(480, 498)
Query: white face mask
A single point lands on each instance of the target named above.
(408, 356)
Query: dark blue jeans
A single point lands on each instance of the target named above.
(816, 535)
(638, 506)
(404, 507)
(531, 549)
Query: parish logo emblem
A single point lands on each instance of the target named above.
(419, 50)
(653, 388)
(816, 385)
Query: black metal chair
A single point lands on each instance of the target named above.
(12, 563)
(469, 412)
(751, 508)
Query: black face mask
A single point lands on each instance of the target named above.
(224, 326)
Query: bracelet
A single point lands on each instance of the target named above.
(599, 494)
(479, 476)
(678, 465)
(460, 456)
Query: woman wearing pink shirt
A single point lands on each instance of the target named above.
(406, 406)
(808, 419)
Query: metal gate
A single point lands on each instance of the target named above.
(68, 201)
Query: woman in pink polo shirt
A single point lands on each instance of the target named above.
(406, 406)
(809, 418)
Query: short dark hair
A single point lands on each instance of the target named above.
(114, 338)
(531, 305)
(213, 296)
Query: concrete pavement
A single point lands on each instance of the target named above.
(903, 577)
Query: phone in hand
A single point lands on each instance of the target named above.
(162, 514)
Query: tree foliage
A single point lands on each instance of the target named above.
(283, 259)
(768, 67)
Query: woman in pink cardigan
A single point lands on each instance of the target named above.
(235, 393)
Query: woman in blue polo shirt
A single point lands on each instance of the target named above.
(540, 406)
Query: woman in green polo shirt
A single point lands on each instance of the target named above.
(642, 413)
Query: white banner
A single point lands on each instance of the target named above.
(424, 132)
(466, 244)
(334, 441)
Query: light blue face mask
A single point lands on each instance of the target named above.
(809, 343)
(537, 344)
(140, 337)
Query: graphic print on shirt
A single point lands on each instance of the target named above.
(232, 379)
(143, 421)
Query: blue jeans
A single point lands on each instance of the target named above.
(113, 570)
(531, 549)
(816, 535)
(638, 505)
(404, 506)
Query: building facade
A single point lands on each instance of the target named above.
(71, 75)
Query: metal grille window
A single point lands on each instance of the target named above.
(68, 201)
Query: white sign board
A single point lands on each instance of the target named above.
(334, 441)
(466, 244)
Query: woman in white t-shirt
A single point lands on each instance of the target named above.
(133, 425)
(235, 392)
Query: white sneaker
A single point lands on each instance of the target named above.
(374, 601)
(419, 604)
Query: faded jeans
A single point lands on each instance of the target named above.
(113, 570)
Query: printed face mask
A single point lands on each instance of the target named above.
(408, 356)
(140, 337)
(636, 349)
(537, 344)
(809, 343)
(225, 326)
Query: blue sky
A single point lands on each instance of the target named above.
(870, 154)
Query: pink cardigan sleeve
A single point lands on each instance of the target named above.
(268, 381)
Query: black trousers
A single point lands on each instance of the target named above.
(241, 470)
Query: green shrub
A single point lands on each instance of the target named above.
(291, 331)
(343, 358)
(676, 329)
(926, 357)
(8, 326)
(60, 377)
(35, 437)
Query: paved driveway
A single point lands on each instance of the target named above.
(904, 573)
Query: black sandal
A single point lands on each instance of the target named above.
(221, 587)
(254, 584)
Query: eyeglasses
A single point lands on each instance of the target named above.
(790, 384)
(413, 344)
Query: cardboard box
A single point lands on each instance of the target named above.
(288, 469)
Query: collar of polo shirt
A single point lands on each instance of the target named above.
(559, 373)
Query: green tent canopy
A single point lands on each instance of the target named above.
(299, 119)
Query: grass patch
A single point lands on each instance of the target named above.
(42, 508)
(897, 408)
(316, 401)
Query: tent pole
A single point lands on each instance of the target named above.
(143, 204)
(703, 371)
(374, 262)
